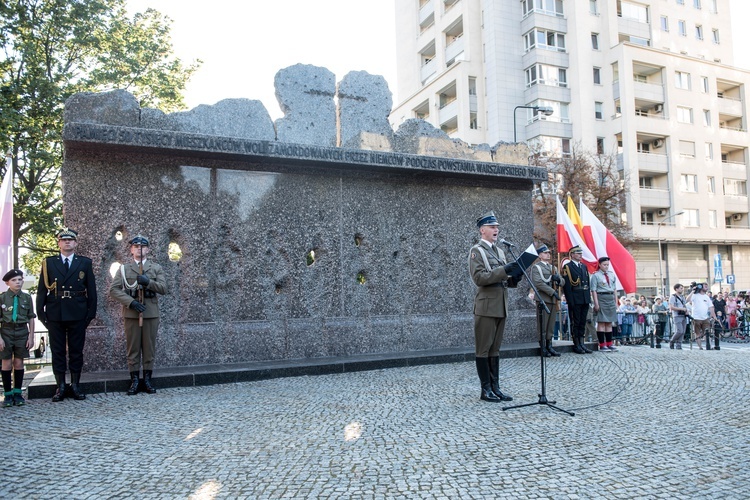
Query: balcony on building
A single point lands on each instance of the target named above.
(731, 123)
(736, 220)
(729, 96)
(429, 63)
(426, 13)
(654, 216)
(448, 4)
(648, 85)
(454, 42)
(655, 159)
(734, 161)
(448, 105)
(655, 197)
(422, 112)
(633, 21)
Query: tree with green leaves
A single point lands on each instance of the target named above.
(595, 177)
(53, 49)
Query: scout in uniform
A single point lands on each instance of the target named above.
(136, 286)
(16, 335)
(545, 278)
(66, 304)
(578, 296)
(492, 276)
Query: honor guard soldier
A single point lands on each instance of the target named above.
(492, 276)
(66, 304)
(546, 280)
(136, 286)
(16, 335)
(578, 296)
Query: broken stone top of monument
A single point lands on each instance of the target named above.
(311, 102)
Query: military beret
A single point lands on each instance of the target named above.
(12, 274)
(542, 249)
(576, 249)
(139, 240)
(67, 234)
(487, 219)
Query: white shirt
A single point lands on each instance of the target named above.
(701, 305)
(70, 258)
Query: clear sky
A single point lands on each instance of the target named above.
(244, 43)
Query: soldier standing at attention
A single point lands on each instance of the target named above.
(492, 276)
(545, 279)
(578, 296)
(136, 286)
(66, 304)
(16, 335)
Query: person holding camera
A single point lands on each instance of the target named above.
(703, 309)
(678, 306)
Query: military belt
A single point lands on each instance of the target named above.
(67, 294)
(604, 293)
(12, 325)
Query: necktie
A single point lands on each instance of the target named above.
(67, 265)
(607, 277)
(15, 308)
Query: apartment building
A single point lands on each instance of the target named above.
(649, 81)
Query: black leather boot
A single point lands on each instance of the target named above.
(60, 392)
(577, 346)
(147, 382)
(134, 381)
(483, 370)
(544, 351)
(75, 386)
(494, 365)
(551, 350)
(582, 343)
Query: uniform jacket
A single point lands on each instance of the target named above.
(25, 309)
(541, 276)
(491, 298)
(125, 296)
(73, 297)
(576, 286)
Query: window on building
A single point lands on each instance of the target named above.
(634, 11)
(697, 4)
(680, 2)
(555, 147)
(599, 110)
(560, 111)
(706, 118)
(595, 41)
(704, 84)
(682, 80)
(422, 112)
(689, 183)
(646, 182)
(473, 123)
(699, 32)
(643, 147)
(690, 218)
(687, 149)
(600, 145)
(664, 23)
(712, 219)
(551, 7)
(709, 151)
(647, 218)
(597, 76)
(682, 27)
(544, 39)
(714, 7)
(684, 115)
(544, 74)
(593, 7)
(715, 34)
(735, 187)
(711, 185)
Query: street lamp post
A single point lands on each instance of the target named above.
(546, 111)
(662, 288)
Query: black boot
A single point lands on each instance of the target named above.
(551, 350)
(134, 381)
(582, 344)
(483, 370)
(577, 346)
(60, 392)
(544, 351)
(494, 363)
(147, 382)
(75, 381)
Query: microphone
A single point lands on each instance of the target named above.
(504, 242)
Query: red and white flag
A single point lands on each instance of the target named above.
(604, 244)
(568, 237)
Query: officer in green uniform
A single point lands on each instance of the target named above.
(546, 280)
(492, 276)
(136, 286)
(16, 335)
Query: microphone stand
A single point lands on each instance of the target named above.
(543, 339)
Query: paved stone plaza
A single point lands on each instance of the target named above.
(649, 424)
